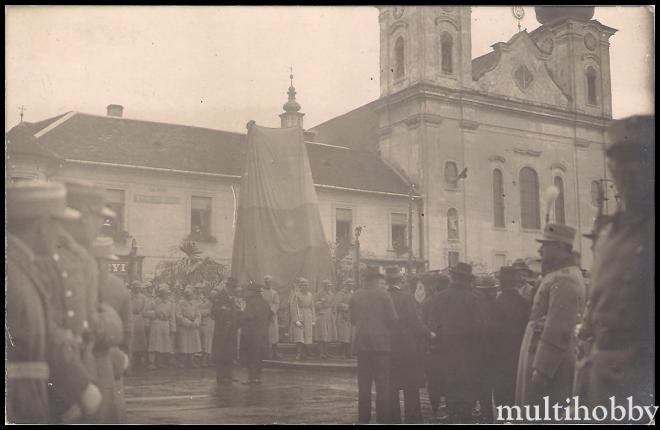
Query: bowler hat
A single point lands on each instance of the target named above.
(103, 247)
(558, 233)
(373, 272)
(87, 197)
(508, 276)
(393, 272)
(634, 135)
(462, 269)
(37, 199)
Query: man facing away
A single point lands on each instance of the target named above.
(373, 315)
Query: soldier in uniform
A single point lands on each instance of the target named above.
(163, 327)
(454, 317)
(225, 310)
(303, 317)
(273, 298)
(547, 354)
(139, 333)
(511, 315)
(39, 351)
(207, 325)
(374, 316)
(324, 330)
(407, 359)
(188, 320)
(343, 319)
(620, 322)
(486, 290)
(74, 288)
(113, 292)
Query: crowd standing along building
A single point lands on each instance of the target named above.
(473, 141)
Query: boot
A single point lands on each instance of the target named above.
(324, 350)
(152, 361)
(299, 355)
(205, 360)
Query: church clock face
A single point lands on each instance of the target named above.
(398, 12)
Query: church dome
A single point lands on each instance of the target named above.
(291, 105)
(547, 14)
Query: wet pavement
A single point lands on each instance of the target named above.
(287, 396)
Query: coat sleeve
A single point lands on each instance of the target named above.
(127, 318)
(391, 316)
(559, 326)
(109, 327)
(416, 324)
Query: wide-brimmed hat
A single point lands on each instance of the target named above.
(87, 197)
(28, 200)
(373, 272)
(393, 273)
(302, 282)
(558, 233)
(326, 283)
(462, 270)
(631, 137)
(268, 278)
(138, 284)
(347, 282)
(103, 247)
(163, 288)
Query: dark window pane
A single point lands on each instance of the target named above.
(595, 193)
(498, 198)
(452, 258)
(560, 217)
(592, 94)
(452, 224)
(446, 46)
(451, 174)
(529, 199)
(200, 216)
(399, 58)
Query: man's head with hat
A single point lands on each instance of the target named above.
(89, 200)
(510, 278)
(556, 247)
(487, 285)
(348, 284)
(631, 160)
(33, 209)
(231, 284)
(373, 277)
(461, 274)
(435, 281)
(393, 275)
(253, 289)
(163, 290)
(268, 282)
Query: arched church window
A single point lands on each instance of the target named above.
(529, 199)
(592, 93)
(498, 198)
(452, 224)
(595, 193)
(446, 47)
(399, 58)
(451, 174)
(560, 216)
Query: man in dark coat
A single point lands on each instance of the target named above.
(455, 319)
(225, 311)
(255, 322)
(486, 290)
(436, 282)
(39, 351)
(407, 359)
(620, 321)
(511, 315)
(373, 315)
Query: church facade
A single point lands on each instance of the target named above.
(475, 142)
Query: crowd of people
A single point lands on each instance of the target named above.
(73, 330)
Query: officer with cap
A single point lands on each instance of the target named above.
(112, 292)
(620, 322)
(373, 314)
(254, 322)
(547, 354)
(75, 295)
(39, 351)
(226, 312)
(486, 289)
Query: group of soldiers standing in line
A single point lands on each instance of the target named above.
(486, 348)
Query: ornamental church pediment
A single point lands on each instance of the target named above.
(517, 69)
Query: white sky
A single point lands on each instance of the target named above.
(219, 67)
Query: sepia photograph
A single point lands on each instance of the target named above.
(344, 215)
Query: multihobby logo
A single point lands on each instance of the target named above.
(574, 411)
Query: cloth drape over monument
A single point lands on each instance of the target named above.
(278, 227)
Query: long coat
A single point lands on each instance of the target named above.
(342, 315)
(512, 315)
(254, 322)
(302, 309)
(374, 316)
(163, 325)
(454, 317)
(324, 330)
(32, 335)
(272, 297)
(207, 326)
(620, 320)
(138, 305)
(188, 320)
(549, 341)
(408, 336)
(226, 314)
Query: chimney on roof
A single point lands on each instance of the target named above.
(115, 110)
